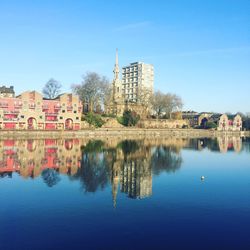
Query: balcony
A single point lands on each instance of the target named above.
(51, 114)
(11, 119)
(4, 105)
(11, 111)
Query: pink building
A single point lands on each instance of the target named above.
(31, 111)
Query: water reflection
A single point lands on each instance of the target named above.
(219, 144)
(126, 165)
(30, 158)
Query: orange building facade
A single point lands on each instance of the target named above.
(33, 112)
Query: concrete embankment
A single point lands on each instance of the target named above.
(123, 132)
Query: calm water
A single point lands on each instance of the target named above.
(125, 194)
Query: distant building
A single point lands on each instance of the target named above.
(224, 122)
(7, 92)
(30, 110)
(227, 122)
(191, 116)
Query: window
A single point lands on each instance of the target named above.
(77, 118)
(61, 117)
(40, 117)
(63, 111)
(22, 116)
(75, 111)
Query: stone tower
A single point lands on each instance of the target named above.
(116, 84)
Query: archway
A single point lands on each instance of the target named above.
(32, 124)
(68, 144)
(69, 124)
(31, 145)
(204, 122)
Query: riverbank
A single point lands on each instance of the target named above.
(123, 132)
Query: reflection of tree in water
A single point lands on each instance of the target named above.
(94, 171)
(128, 147)
(50, 177)
(165, 159)
(93, 146)
(212, 144)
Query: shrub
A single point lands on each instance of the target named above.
(109, 115)
(120, 120)
(210, 125)
(94, 119)
(129, 118)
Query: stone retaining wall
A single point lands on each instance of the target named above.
(133, 133)
(162, 123)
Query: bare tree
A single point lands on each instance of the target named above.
(92, 91)
(52, 89)
(165, 104)
(145, 98)
(174, 104)
(159, 103)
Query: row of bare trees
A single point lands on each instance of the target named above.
(95, 91)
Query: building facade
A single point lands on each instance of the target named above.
(137, 81)
(31, 111)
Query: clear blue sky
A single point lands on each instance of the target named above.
(200, 49)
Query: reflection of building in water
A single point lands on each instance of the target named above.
(131, 168)
(229, 143)
(128, 164)
(219, 144)
(8, 158)
(136, 178)
(31, 157)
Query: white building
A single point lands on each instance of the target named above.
(137, 80)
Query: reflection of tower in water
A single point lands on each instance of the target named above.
(136, 178)
(115, 181)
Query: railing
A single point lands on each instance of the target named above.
(4, 105)
(51, 114)
(11, 111)
(10, 119)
